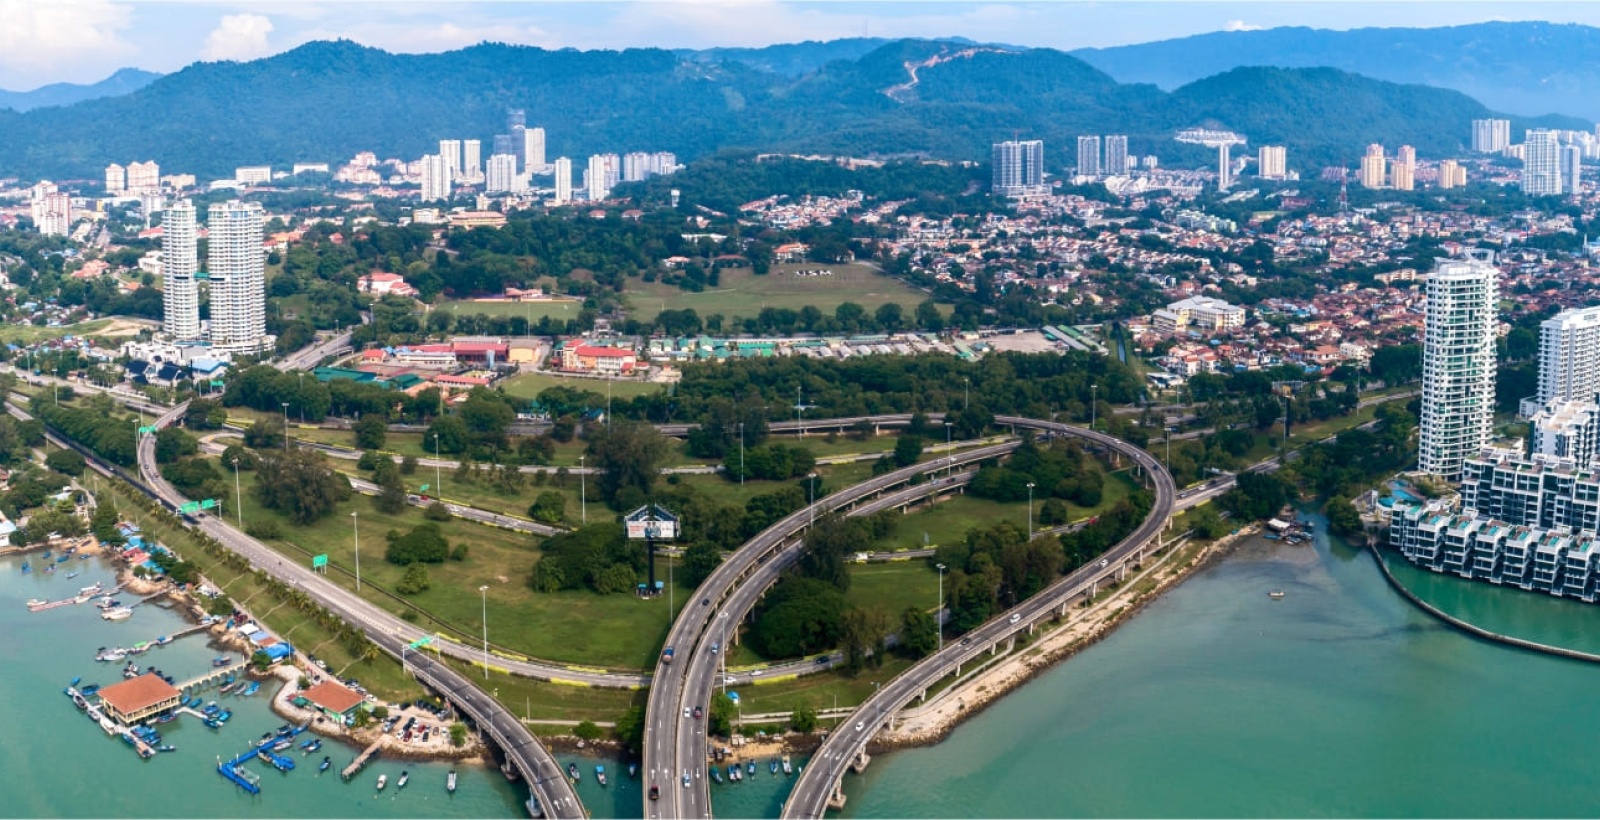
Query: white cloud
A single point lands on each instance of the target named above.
(40, 35)
(1240, 25)
(238, 37)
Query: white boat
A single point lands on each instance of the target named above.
(450, 783)
(33, 602)
(119, 613)
(383, 780)
(1276, 594)
(401, 783)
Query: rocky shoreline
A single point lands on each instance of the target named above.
(929, 724)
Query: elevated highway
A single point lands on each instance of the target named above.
(820, 780)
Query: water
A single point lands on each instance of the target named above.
(1340, 700)
(72, 769)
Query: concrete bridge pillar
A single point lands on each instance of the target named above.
(1011, 643)
(1094, 589)
(1122, 571)
(1062, 610)
(922, 697)
(1030, 627)
(994, 649)
(836, 797)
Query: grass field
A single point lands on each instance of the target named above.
(28, 334)
(529, 385)
(742, 293)
(821, 691)
(895, 586)
(532, 311)
(569, 626)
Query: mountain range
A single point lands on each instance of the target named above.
(124, 81)
(324, 101)
(1523, 67)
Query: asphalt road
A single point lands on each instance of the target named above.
(675, 744)
(827, 766)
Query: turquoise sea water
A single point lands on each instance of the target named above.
(1340, 700)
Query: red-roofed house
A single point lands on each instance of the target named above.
(480, 351)
(135, 699)
(379, 283)
(578, 357)
(333, 699)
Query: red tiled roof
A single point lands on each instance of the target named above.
(332, 696)
(138, 693)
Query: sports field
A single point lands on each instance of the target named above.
(742, 293)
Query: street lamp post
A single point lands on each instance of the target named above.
(1030, 511)
(355, 527)
(741, 454)
(285, 427)
(438, 482)
(949, 448)
(583, 491)
(238, 498)
(966, 393)
(1094, 404)
(484, 592)
(812, 478)
(939, 613)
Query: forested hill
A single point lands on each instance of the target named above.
(1527, 66)
(325, 101)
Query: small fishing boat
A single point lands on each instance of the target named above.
(281, 745)
(220, 661)
(787, 769)
(254, 687)
(49, 569)
(600, 775)
(772, 766)
(73, 574)
(45, 554)
(716, 774)
(89, 689)
(63, 559)
(1276, 595)
(167, 748)
(450, 782)
(323, 766)
(92, 589)
(120, 613)
(750, 768)
(26, 568)
(315, 746)
(75, 680)
(572, 772)
(36, 602)
(401, 783)
(633, 770)
(735, 774)
(383, 780)
(222, 716)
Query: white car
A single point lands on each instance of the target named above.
(1104, 562)
(1016, 617)
(861, 726)
(686, 711)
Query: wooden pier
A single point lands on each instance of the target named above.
(360, 762)
(212, 678)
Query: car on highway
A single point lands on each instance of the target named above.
(755, 673)
(716, 646)
(698, 713)
(686, 778)
(823, 661)
(655, 792)
(1016, 617)
(1104, 562)
(860, 725)
(687, 711)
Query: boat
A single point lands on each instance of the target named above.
(75, 680)
(108, 655)
(220, 661)
(281, 745)
(89, 689)
(323, 766)
(772, 766)
(35, 602)
(79, 701)
(92, 589)
(383, 780)
(49, 568)
(633, 770)
(312, 747)
(120, 613)
(450, 782)
(1276, 595)
(715, 774)
(254, 687)
(401, 783)
(63, 559)
(167, 748)
(25, 567)
(787, 769)
(222, 716)
(750, 768)
(572, 772)
(72, 574)
(163, 640)
(600, 775)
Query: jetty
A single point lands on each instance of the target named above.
(83, 596)
(360, 762)
(235, 771)
(216, 675)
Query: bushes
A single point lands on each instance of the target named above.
(771, 462)
(598, 557)
(414, 581)
(425, 543)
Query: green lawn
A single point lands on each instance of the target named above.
(895, 586)
(23, 334)
(530, 385)
(572, 626)
(742, 293)
(527, 698)
(532, 311)
(820, 691)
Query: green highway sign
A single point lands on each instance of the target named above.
(319, 561)
(147, 429)
(425, 488)
(421, 642)
(189, 507)
(209, 503)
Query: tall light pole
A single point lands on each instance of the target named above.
(949, 451)
(939, 613)
(285, 427)
(812, 477)
(355, 526)
(583, 491)
(238, 498)
(1094, 404)
(799, 429)
(966, 392)
(438, 483)
(484, 591)
(741, 454)
(1030, 511)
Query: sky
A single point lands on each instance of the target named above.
(47, 41)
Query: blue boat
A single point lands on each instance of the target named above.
(222, 716)
(716, 774)
(254, 687)
(75, 681)
(325, 764)
(89, 689)
(63, 559)
(750, 768)
(46, 554)
(25, 567)
(772, 766)
(600, 775)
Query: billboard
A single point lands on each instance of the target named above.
(653, 522)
